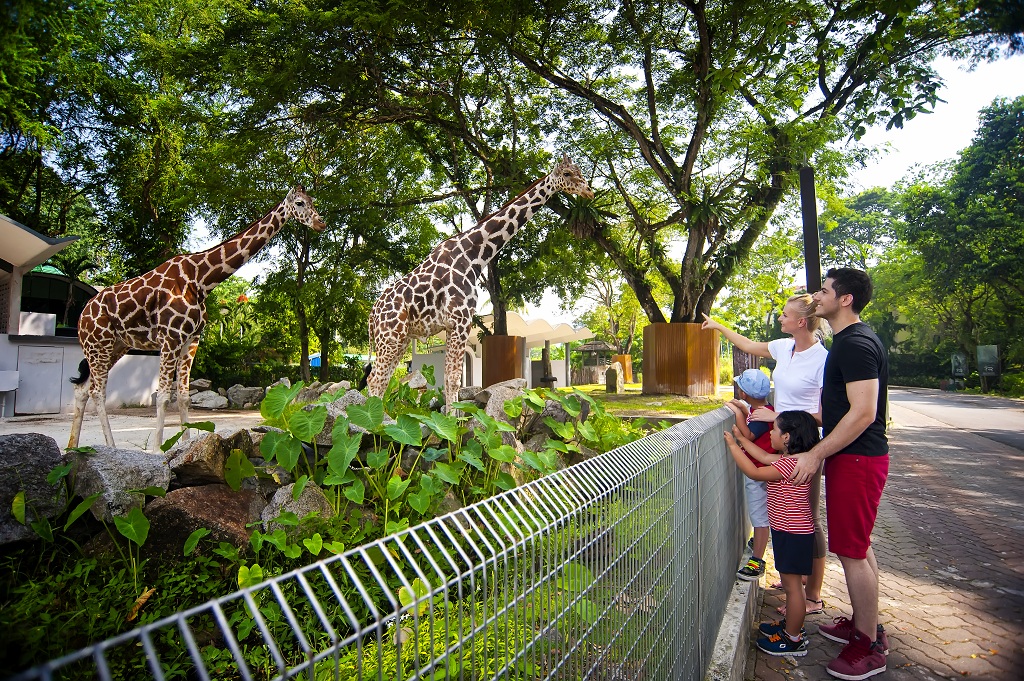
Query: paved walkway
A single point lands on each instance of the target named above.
(132, 427)
(950, 547)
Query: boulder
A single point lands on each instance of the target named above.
(200, 384)
(493, 399)
(310, 393)
(339, 408)
(614, 379)
(200, 460)
(117, 474)
(208, 399)
(239, 396)
(312, 499)
(469, 393)
(218, 508)
(415, 380)
(25, 461)
(281, 381)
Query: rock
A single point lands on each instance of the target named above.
(114, 472)
(281, 381)
(311, 393)
(338, 408)
(415, 380)
(222, 392)
(493, 399)
(25, 461)
(218, 508)
(208, 399)
(614, 381)
(240, 396)
(200, 384)
(339, 388)
(312, 499)
(469, 393)
(200, 460)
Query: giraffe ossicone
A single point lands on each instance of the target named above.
(164, 309)
(440, 294)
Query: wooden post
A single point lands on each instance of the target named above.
(502, 358)
(680, 359)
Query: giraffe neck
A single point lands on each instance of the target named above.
(500, 226)
(216, 264)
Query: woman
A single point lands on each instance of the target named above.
(799, 369)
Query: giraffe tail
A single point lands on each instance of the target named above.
(83, 371)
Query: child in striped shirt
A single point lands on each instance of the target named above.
(789, 516)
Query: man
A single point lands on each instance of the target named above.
(856, 455)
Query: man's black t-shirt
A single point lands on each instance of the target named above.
(856, 355)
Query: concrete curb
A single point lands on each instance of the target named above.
(729, 658)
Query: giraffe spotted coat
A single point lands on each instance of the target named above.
(440, 294)
(164, 310)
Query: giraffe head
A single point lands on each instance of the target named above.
(299, 205)
(569, 179)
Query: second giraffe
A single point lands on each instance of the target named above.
(440, 294)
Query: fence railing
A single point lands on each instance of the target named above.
(616, 569)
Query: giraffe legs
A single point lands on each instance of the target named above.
(184, 370)
(389, 351)
(454, 359)
(168, 365)
(81, 399)
(99, 370)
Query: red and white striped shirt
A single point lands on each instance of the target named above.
(789, 505)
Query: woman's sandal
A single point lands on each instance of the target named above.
(818, 609)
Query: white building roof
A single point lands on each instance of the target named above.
(25, 248)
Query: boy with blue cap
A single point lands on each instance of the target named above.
(754, 387)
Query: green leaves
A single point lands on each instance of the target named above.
(444, 426)
(406, 432)
(306, 425)
(134, 526)
(237, 468)
(367, 416)
(193, 541)
(207, 426)
(278, 397)
(282, 447)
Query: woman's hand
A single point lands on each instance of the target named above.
(763, 414)
(711, 324)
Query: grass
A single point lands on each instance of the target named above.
(633, 403)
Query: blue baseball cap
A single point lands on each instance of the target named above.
(755, 383)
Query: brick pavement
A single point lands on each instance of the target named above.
(949, 542)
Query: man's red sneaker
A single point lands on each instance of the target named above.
(859, 660)
(841, 630)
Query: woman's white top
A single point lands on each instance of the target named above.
(798, 376)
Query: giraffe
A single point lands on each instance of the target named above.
(164, 310)
(440, 294)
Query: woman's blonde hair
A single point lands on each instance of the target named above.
(805, 307)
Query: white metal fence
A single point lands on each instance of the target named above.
(618, 568)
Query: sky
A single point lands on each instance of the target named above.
(924, 140)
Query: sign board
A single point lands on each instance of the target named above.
(988, 360)
(959, 360)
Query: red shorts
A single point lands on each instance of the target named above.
(853, 488)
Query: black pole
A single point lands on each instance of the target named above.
(812, 240)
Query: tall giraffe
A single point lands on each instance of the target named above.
(440, 294)
(165, 310)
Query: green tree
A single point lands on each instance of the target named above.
(856, 230)
(758, 292)
(699, 114)
(964, 219)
